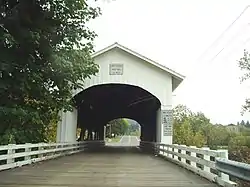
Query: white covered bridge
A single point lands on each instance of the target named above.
(127, 85)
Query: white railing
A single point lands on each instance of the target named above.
(198, 160)
(13, 155)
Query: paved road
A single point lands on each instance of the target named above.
(109, 167)
(126, 141)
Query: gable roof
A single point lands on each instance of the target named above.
(177, 77)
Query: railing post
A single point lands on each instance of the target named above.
(169, 149)
(40, 148)
(27, 151)
(157, 148)
(162, 152)
(224, 154)
(82, 146)
(193, 154)
(184, 153)
(206, 157)
(176, 151)
(11, 152)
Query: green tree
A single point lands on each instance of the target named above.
(180, 113)
(119, 126)
(195, 129)
(247, 124)
(239, 141)
(133, 127)
(242, 123)
(216, 135)
(198, 121)
(45, 49)
(244, 64)
(184, 134)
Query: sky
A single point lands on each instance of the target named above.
(188, 37)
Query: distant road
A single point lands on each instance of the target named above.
(126, 141)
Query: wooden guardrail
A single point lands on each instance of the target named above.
(201, 161)
(13, 155)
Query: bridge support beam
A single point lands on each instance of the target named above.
(66, 127)
(158, 125)
(101, 135)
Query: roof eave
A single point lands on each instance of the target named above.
(176, 75)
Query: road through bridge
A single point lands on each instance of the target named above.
(126, 141)
(121, 164)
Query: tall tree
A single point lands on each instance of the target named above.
(242, 123)
(244, 64)
(180, 112)
(119, 126)
(45, 49)
(247, 124)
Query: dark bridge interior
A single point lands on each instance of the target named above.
(100, 104)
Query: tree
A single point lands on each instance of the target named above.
(188, 126)
(198, 120)
(183, 134)
(244, 64)
(180, 112)
(195, 129)
(242, 123)
(45, 49)
(247, 124)
(133, 127)
(119, 126)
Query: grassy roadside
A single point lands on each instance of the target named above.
(116, 139)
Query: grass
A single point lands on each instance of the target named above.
(116, 139)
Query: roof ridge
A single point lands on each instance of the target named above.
(116, 44)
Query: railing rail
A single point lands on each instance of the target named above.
(201, 161)
(233, 168)
(13, 155)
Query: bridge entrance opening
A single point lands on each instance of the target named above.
(127, 85)
(122, 132)
(100, 104)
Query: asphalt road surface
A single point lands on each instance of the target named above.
(126, 141)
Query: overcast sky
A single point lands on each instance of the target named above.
(176, 33)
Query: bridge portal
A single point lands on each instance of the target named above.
(127, 85)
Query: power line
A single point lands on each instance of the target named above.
(232, 51)
(224, 32)
(227, 44)
(218, 39)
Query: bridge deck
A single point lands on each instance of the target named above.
(124, 167)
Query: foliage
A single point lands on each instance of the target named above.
(239, 141)
(135, 133)
(195, 129)
(133, 128)
(43, 58)
(240, 154)
(244, 124)
(183, 134)
(50, 130)
(181, 112)
(244, 64)
(119, 126)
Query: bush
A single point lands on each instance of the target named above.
(240, 154)
(239, 141)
